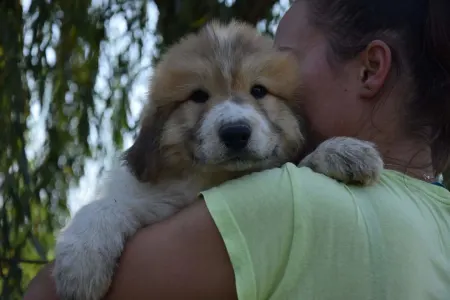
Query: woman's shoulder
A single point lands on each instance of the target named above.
(288, 182)
(306, 193)
(279, 197)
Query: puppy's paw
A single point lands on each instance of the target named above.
(81, 272)
(346, 159)
(87, 250)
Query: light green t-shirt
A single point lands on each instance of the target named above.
(295, 234)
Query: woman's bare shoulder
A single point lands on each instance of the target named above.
(183, 257)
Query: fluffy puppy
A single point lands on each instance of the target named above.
(223, 103)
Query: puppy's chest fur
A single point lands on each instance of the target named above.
(170, 194)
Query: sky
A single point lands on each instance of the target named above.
(83, 193)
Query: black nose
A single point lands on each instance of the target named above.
(235, 136)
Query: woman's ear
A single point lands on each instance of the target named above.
(375, 68)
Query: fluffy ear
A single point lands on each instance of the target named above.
(144, 157)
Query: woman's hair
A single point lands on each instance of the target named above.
(418, 33)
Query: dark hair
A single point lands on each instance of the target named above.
(418, 33)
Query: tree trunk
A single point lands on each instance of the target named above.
(178, 17)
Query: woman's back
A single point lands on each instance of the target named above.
(389, 241)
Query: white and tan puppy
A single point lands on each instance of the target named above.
(223, 103)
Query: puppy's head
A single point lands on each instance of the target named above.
(221, 100)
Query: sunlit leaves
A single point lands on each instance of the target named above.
(49, 72)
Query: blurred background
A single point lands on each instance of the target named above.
(73, 78)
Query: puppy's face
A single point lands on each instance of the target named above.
(222, 100)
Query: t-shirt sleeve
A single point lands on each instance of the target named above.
(254, 215)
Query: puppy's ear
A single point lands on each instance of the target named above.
(144, 157)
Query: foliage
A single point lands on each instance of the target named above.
(64, 95)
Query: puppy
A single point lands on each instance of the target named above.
(223, 103)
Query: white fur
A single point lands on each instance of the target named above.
(88, 247)
(262, 141)
(346, 159)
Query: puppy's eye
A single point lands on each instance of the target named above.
(258, 91)
(199, 96)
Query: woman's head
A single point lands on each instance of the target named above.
(374, 68)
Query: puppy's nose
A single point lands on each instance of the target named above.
(235, 136)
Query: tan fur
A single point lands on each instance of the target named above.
(179, 151)
(227, 66)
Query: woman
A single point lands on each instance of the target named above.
(376, 70)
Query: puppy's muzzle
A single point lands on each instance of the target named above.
(235, 136)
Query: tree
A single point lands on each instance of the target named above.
(64, 95)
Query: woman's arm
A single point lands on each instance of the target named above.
(42, 286)
(183, 257)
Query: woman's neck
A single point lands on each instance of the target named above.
(407, 156)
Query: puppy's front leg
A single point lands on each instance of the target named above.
(87, 250)
(346, 159)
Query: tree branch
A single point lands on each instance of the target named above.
(23, 261)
